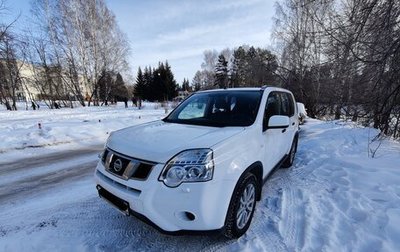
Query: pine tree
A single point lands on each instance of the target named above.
(148, 83)
(185, 85)
(170, 82)
(238, 71)
(197, 81)
(140, 86)
(158, 88)
(159, 83)
(120, 92)
(221, 72)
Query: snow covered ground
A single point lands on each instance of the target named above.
(335, 197)
(78, 127)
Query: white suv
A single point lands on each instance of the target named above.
(203, 166)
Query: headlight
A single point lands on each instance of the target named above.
(188, 166)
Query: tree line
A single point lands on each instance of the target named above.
(245, 66)
(156, 84)
(73, 49)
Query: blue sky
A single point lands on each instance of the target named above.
(179, 31)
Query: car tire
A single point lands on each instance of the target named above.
(242, 206)
(290, 158)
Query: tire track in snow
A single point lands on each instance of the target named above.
(293, 219)
(44, 182)
(265, 231)
(40, 174)
(40, 161)
(292, 223)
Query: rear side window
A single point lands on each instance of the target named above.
(287, 104)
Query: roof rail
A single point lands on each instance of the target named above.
(264, 87)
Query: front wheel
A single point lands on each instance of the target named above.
(241, 207)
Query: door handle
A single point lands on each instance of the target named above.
(284, 130)
(293, 123)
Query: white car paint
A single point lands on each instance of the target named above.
(169, 139)
(234, 150)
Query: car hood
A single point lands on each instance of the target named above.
(159, 141)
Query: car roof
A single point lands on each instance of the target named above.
(243, 89)
(230, 89)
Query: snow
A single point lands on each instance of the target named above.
(77, 127)
(335, 197)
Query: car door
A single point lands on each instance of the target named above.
(272, 138)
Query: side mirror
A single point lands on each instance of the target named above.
(278, 122)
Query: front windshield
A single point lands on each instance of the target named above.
(218, 108)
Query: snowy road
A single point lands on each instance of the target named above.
(334, 198)
(19, 179)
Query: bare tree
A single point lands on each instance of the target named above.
(56, 76)
(10, 81)
(341, 57)
(94, 39)
(208, 67)
(75, 42)
(300, 47)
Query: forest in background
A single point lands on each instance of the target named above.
(341, 58)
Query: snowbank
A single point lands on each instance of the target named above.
(38, 128)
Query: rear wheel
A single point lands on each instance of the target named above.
(241, 207)
(290, 159)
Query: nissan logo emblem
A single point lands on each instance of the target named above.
(117, 165)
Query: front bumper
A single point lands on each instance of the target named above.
(200, 206)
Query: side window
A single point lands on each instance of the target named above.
(285, 104)
(291, 104)
(272, 107)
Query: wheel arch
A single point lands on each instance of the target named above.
(255, 168)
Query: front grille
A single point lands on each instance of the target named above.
(126, 167)
(118, 164)
(103, 158)
(143, 171)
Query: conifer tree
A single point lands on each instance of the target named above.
(197, 81)
(140, 86)
(148, 82)
(185, 85)
(119, 92)
(221, 72)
